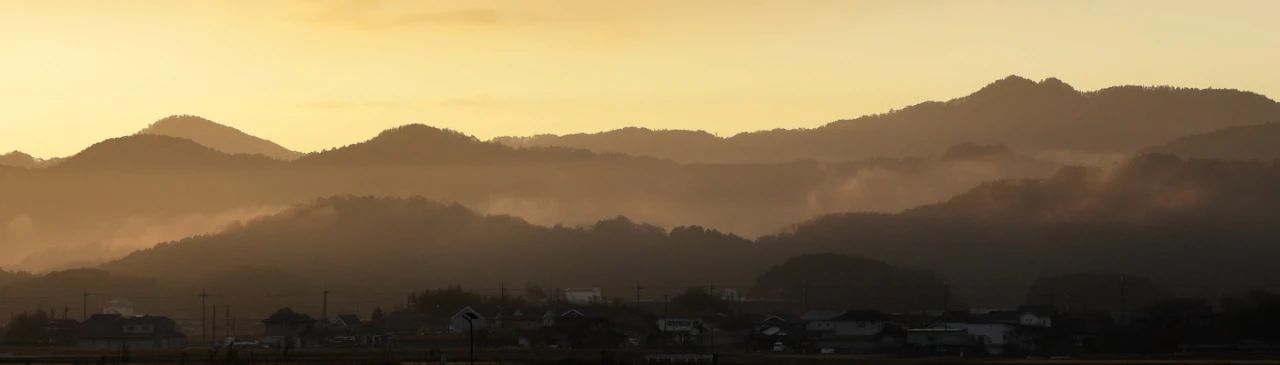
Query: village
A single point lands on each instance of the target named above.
(699, 321)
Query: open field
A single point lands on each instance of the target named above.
(523, 356)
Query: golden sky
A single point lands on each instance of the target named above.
(316, 74)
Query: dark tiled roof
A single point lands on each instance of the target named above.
(862, 316)
(102, 326)
(287, 315)
(112, 326)
(821, 315)
(350, 320)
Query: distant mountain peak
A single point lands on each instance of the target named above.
(183, 120)
(149, 151)
(422, 133)
(1016, 86)
(410, 143)
(1055, 83)
(19, 159)
(217, 136)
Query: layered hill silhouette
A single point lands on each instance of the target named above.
(422, 145)
(218, 137)
(1253, 142)
(1046, 118)
(130, 192)
(379, 248)
(20, 159)
(148, 151)
(1187, 223)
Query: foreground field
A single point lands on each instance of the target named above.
(521, 356)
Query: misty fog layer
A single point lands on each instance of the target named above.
(1188, 225)
(131, 192)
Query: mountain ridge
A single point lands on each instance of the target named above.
(218, 136)
(1251, 142)
(1048, 117)
(154, 151)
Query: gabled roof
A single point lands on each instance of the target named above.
(821, 315)
(458, 313)
(349, 320)
(1039, 310)
(405, 321)
(288, 316)
(112, 326)
(861, 316)
(101, 326)
(1002, 316)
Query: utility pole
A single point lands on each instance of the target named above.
(1068, 294)
(214, 332)
(946, 297)
(230, 330)
(638, 289)
(666, 299)
(84, 308)
(502, 295)
(806, 295)
(204, 296)
(324, 306)
(1124, 315)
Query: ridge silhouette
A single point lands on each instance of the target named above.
(1038, 118)
(217, 136)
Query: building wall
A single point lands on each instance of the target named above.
(855, 328)
(133, 343)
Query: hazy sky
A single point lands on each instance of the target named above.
(315, 74)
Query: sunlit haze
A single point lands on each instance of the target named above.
(317, 74)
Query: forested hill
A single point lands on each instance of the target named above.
(1045, 118)
(1253, 142)
(1187, 223)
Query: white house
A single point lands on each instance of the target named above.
(820, 320)
(1034, 319)
(860, 323)
(458, 322)
(583, 296)
(684, 325)
(994, 337)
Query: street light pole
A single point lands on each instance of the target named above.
(471, 333)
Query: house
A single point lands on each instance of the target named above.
(1035, 316)
(111, 331)
(820, 320)
(597, 327)
(774, 331)
(861, 331)
(1084, 331)
(405, 323)
(994, 338)
(520, 319)
(549, 318)
(344, 329)
(584, 296)
(288, 329)
(680, 325)
(119, 306)
(62, 332)
(459, 323)
(938, 340)
(682, 330)
(349, 322)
